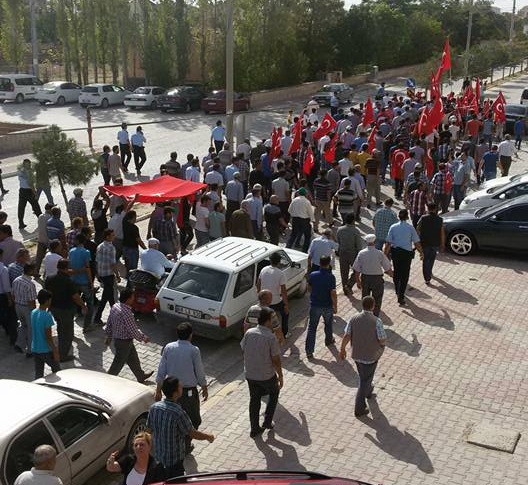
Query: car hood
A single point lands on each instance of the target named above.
(496, 182)
(297, 256)
(460, 215)
(116, 391)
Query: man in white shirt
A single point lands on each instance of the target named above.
(124, 146)
(193, 172)
(44, 459)
(506, 151)
(244, 149)
(286, 142)
(214, 177)
(138, 141)
(272, 278)
(153, 260)
(302, 213)
(52, 258)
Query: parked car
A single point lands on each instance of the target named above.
(214, 286)
(502, 227)
(499, 182)
(495, 195)
(345, 93)
(524, 97)
(215, 102)
(79, 412)
(144, 97)
(103, 95)
(18, 87)
(58, 92)
(181, 98)
(262, 477)
(515, 112)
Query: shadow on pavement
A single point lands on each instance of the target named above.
(398, 343)
(429, 317)
(290, 428)
(278, 455)
(453, 293)
(342, 370)
(401, 445)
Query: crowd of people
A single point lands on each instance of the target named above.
(322, 175)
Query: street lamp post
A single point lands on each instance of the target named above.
(512, 24)
(34, 41)
(229, 71)
(468, 39)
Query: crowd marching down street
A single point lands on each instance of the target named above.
(306, 186)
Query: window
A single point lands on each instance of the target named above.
(24, 81)
(108, 89)
(20, 454)
(72, 423)
(199, 281)
(245, 280)
(90, 89)
(117, 89)
(515, 214)
(157, 91)
(516, 191)
(285, 261)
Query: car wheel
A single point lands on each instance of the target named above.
(153, 105)
(61, 101)
(84, 105)
(132, 108)
(462, 243)
(301, 291)
(104, 103)
(164, 110)
(140, 424)
(20, 98)
(42, 103)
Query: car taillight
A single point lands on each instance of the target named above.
(222, 321)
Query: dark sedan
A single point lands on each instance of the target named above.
(181, 98)
(216, 102)
(515, 112)
(502, 227)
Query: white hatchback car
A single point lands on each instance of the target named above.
(214, 286)
(58, 92)
(103, 95)
(85, 415)
(494, 195)
(144, 97)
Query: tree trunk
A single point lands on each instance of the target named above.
(63, 191)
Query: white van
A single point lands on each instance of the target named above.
(214, 286)
(18, 87)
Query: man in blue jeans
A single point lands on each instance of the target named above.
(323, 303)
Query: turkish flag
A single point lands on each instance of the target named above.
(329, 149)
(498, 108)
(486, 108)
(435, 115)
(474, 105)
(429, 165)
(276, 136)
(398, 157)
(309, 161)
(368, 116)
(372, 139)
(423, 122)
(297, 132)
(327, 125)
(445, 63)
(435, 85)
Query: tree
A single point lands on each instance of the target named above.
(63, 160)
(12, 35)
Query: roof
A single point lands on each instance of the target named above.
(28, 400)
(230, 253)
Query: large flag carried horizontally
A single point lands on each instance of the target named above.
(327, 125)
(445, 63)
(498, 108)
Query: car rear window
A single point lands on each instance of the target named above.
(142, 91)
(173, 92)
(217, 95)
(5, 82)
(199, 281)
(90, 89)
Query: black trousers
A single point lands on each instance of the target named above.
(219, 145)
(65, 329)
(125, 353)
(190, 402)
(139, 157)
(107, 296)
(300, 227)
(26, 196)
(366, 375)
(258, 389)
(42, 359)
(8, 318)
(126, 155)
(231, 206)
(401, 260)
(375, 286)
(186, 236)
(175, 470)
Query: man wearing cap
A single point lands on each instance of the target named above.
(369, 268)
(124, 146)
(302, 213)
(77, 207)
(234, 192)
(153, 260)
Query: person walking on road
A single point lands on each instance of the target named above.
(121, 327)
(350, 243)
(218, 136)
(369, 267)
(138, 141)
(273, 278)
(324, 245)
(506, 151)
(170, 425)
(24, 294)
(26, 193)
(383, 219)
(367, 336)
(323, 303)
(400, 240)
(124, 146)
(183, 360)
(432, 238)
(302, 213)
(263, 369)
(107, 272)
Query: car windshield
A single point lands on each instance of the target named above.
(90, 89)
(328, 89)
(515, 110)
(219, 95)
(199, 281)
(51, 85)
(173, 92)
(5, 82)
(76, 394)
(142, 91)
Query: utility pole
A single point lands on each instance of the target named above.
(229, 71)
(468, 39)
(34, 41)
(512, 24)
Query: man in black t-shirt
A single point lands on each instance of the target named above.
(430, 228)
(131, 241)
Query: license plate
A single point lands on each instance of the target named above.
(211, 104)
(188, 311)
(166, 105)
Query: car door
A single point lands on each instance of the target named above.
(71, 92)
(244, 294)
(19, 453)
(293, 274)
(512, 192)
(511, 228)
(87, 438)
(195, 98)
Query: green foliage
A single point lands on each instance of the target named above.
(12, 31)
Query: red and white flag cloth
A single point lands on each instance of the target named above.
(372, 139)
(327, 125)
(276, 136)
(445, 63)
(297, 135)
(498, 108)
(368, 116)
(309, 161)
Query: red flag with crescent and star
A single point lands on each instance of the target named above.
(368, 116)
(486, 108)
(445, 63)
(435, 85)
(297, 132)
(309, 161)
(498, 108)
(276, 136)
(423, 121)
(329, 149)
(327, 125)
(372, 139)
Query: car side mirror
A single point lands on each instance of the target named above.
(105, 418)
(296, 265)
